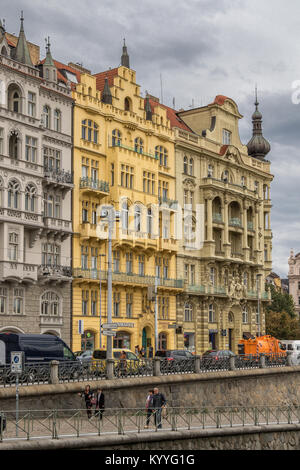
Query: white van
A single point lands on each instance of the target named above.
(294, 347)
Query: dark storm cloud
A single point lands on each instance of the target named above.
(192, 51)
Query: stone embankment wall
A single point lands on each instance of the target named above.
(273, 386)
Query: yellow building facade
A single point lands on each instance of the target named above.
(123, 156)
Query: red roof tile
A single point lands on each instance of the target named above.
(223, 149)
(220, 100)
(172, 115)
(100, 78)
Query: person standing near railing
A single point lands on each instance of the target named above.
(99, 402)
(158, 402)
(88, 397)
(149, 408)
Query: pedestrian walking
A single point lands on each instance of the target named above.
(150, 352)
(158, 402)
(123, 363)
(88, 397)
(149, 408)
(99, 402)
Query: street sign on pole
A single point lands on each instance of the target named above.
(16, 364)
(108, 326)
(109, 333)
(172, 326)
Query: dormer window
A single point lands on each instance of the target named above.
(127, 104)
(226, 137)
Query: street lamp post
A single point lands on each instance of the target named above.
(258, 276)
(100, 341)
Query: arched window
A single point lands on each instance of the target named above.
(4, 51)
(14, 145)
(139, 145)
(89, 131)
(137, 218)
(185, 165)
(16, 102)
(127, 104)
(14, 193)
(149, 221)
(47, 116)
(245, 315)
(50, 304)
(57, 120)
(14, 98)
(191, 166)
(124, 215)
(162, 154)
(116, 138)
(188, 312)
(30, 198)
(211, 314)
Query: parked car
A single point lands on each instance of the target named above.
(176, 360)
(85, 356)
(134, 365)
(216, 358)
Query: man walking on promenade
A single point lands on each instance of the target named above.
(157, 403)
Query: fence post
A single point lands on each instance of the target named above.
(197, 364)
(156, 366)
(262, 361)
(232, 363)
(54, 372)
(110, 369)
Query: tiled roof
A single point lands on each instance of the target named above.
(109, 74)
(172, 115)
(223, 149)
(220, 100)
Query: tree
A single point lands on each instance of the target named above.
(281, 302)
(282, 326)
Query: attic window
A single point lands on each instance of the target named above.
(226, 137)
(71, 76)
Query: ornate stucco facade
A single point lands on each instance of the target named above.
(36, 187)
(222, 276)
(124, 156)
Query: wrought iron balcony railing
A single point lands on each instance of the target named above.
(96, 185)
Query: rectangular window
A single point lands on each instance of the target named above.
(94, 300)
(112, 171)
(148, 182)
(116, 261)
(129, 263)
(84, 257)
(50, 254)
(1, 140)
(18, 301)
(226, 140)
(116, 304)
(85, 211)
(84, 171)
(3, 300)
(31, 149)
(141, 265)
(129, 305)
(13, 246)
(31, 104)
(52, 159)
(85, 302)
(127, 173)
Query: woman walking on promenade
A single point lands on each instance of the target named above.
(88, 397)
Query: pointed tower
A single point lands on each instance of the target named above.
(106, 94)
(148, 109)
(258, 146)
(22, 51)
(125, 57)
(2, 30)
(49, 68)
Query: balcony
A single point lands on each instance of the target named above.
(235, 222)
(58, 228)
(19, 272)
(30, 220)
(58, 178)
(50, 273)
(88, 185)
(166, 202)
(124, 148)
(217, 218)
(126, 278)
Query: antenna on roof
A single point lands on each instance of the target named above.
(174, 102)
(161, 89)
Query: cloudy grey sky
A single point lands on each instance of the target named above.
(199, 48)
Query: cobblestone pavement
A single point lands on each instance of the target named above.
(62, 424)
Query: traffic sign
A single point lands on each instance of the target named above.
(109, 333)
(124, 325)
(109, 325)
(16, 362)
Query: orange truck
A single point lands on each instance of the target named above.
(261, 345)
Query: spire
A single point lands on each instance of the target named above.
(48, 61)
(148, 108)
(125, 56)
(22, 51)
(258, 146)
(106, 94)
(2, 29)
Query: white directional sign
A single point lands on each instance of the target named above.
(109, 333)
(16, 362)
(172, 326)
(109, 325)
(117, 325)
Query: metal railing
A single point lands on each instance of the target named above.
(96, 369)
(56, 424)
